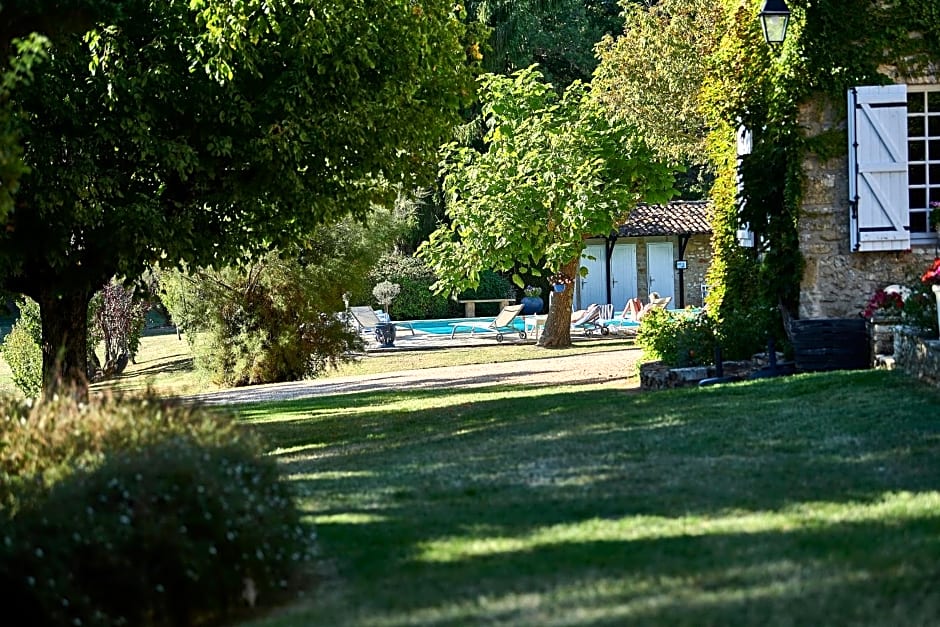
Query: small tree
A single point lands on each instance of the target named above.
(118, 320)
(555, 171)
(385, 292)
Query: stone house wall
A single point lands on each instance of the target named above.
(837, 282)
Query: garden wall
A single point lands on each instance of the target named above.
(917, 357)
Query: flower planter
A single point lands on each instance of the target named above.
(559, 287)
(882, 334)
(531, 305)
(385, 334)
(936, 293)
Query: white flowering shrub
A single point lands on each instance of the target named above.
(179, 529)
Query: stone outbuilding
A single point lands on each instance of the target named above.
(659, 248)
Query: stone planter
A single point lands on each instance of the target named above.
(936, 294)
(385, 334)
(882, 335)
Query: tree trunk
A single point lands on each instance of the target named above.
(557, 333)
(64, 343)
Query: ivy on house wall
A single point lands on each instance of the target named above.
(832, 45)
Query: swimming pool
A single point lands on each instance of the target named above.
(443, 325)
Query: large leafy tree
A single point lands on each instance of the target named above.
(554, 171)
(559, 35)
(204, 131)
(652, 75)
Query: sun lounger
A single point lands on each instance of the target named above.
(501, 325)
(588, 320)
(367, 320)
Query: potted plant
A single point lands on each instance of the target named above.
(560, 282)
(932, 278)
(385, 292)
(884, 311)
(532, 301)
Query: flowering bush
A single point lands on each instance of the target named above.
(885, 303)
(532, 291)
(140, 513)
(932, 275)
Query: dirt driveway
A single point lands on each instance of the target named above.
(616, 368)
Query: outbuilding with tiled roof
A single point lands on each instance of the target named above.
(659, 248)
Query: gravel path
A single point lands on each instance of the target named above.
(617, 368)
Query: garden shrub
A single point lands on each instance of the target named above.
(677, 338)
(42, 443)
(267, 321)
(416, 301)
(173, 517)
(21, 349)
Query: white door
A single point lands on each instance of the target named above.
(622, 275)
(592, 289)
(660, 274)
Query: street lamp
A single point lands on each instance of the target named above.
(774, 19)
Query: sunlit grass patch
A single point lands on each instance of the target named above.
(762, 503)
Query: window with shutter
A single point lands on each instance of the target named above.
(923, 158)
(878, 174)
(744, 146)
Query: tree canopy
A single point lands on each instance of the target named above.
(559, 35)
(555, 170)
(652, 74)
(203, 131)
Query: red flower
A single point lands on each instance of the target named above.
(889, 302)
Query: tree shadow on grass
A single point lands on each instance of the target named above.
(624, 509)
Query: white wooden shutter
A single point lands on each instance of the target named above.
(744, 146)
(878, 191)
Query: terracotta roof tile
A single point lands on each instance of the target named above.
(679, 217)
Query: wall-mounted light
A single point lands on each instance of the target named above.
(774, 18)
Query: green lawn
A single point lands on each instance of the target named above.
(165, 363)
(808, 500)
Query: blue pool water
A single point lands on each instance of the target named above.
(443, 326)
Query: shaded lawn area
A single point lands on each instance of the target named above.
(807, 500)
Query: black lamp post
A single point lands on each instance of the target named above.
(774, 18)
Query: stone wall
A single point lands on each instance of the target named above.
(837, 283)
(917, 356)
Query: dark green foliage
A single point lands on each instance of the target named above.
(200, 132)
(169, 535)
(21, 349)
(416, 301)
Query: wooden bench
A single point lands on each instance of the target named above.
(470, 306)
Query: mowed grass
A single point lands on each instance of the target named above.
(807, 500)
(164, 364)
